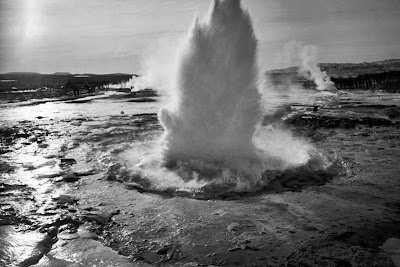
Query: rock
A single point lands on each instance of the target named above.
(22, 135)
(5, 167)
(65, 199)
(51, 156)
(67, 161)
(68, 228)
(11, 187)
(232, 227)
(393, 113)
(113, 171)
(70, 177)
(42, 145)
(32, 138)
(4, 150)
(99, 217)
(52, 232)
(89, 208)
(134, 186)
(86, 172)
(51, 175)
(249, 247)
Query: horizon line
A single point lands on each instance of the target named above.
(125, 73)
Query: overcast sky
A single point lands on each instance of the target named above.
(105, 36)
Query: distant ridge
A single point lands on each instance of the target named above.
(62, 73)
(332, 69)
(348, 69)
(118, 74)
(354, 69)
(58, 73)
(28, 80)
(384, 74)
(22, 73)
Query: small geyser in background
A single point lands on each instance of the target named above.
(305, 56)
(213, 133)
(310, 70)
(122, 85)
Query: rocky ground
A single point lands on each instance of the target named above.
(59, 207)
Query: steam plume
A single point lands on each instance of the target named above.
(305, 56)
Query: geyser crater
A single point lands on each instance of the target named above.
(213, 140)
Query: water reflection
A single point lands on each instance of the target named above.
(64, 110)
(16, 246)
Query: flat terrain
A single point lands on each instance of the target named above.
(62, 193)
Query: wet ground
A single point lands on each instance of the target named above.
(63, 202)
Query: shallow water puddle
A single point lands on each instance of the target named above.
(17, 246)
(33, 249)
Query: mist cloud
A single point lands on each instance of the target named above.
(305, 56)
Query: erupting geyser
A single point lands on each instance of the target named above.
(213, 138)
(296, 53)
(218, 103)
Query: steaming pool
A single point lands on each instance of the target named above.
(68, 198)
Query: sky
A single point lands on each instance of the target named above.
(117, 36)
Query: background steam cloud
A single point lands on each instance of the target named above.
(296, 54)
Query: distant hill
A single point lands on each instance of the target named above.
(62, 73)
(354, 69)
(347, 69)
(34, 80)
(383, 74)
(119, 74)
(22, 73)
